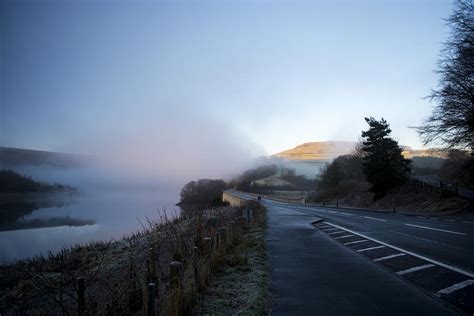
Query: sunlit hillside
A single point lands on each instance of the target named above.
(317, 150)
(326, 151)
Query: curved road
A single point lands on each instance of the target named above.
(369, 255)
(448, 240)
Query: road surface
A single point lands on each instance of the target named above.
(433, 254)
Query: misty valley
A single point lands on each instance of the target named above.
(37, 218)
(52, 225)
(168, 158)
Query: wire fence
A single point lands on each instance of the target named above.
(161, 271)
(441, 189)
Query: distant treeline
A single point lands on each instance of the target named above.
(208, 192)
(13, 182)
(245, 182)
(459, 168)
(377, 163)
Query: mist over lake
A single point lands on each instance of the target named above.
(114, 194)
(100, 216)
(310, 169)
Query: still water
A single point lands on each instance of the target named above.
(87, 217)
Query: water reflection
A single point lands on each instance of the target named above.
(37, 226)
(16, 208)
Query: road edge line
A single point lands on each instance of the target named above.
(447, 266)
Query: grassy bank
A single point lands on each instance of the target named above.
(180, 255)
(407, 199)
(240, 286)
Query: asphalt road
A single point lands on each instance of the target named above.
(437, 252)
(448, 240)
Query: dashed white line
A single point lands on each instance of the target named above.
(437, 229)
(356, 242)
(342, 213)
(450, 220)
(390, 257)
(455, 287)
(334, 233)
(468, 222)
(345, 236)
(376, 219)
(330, 229)
(417, 268)
(370, 248)
(459, 270)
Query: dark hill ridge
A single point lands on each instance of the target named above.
(14, 157)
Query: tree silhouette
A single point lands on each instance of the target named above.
(452, 119)
(383, 163)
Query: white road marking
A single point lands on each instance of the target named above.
(345, 236)
(447, 266)
(356, 242)
(450, 220)
(417, 268)
(342, 213)
(370, 248)
(333, 212)
(455, 287)
(421, 217)
(334, 233)
(390, 257)
(330, 229)
(434, 218)
(377, 219)
(440, 230)
(469, 222)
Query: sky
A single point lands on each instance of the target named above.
(166, 82)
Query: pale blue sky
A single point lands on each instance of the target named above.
(254, 77)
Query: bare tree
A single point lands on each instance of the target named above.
(452, 119)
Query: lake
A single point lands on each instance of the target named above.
(50, 226)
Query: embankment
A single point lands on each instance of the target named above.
(162, 269)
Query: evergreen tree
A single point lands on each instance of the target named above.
(383, 163)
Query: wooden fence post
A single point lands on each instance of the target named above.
(176, 269)
(151, 299)
(195, 268)
(222, 237)
(80, 295)
(217, 241)
(207, 241)
(152, 266)
(232, 231)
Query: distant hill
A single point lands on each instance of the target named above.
(410, 153)
(14, 157)
(317, 151)
(326, 151)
